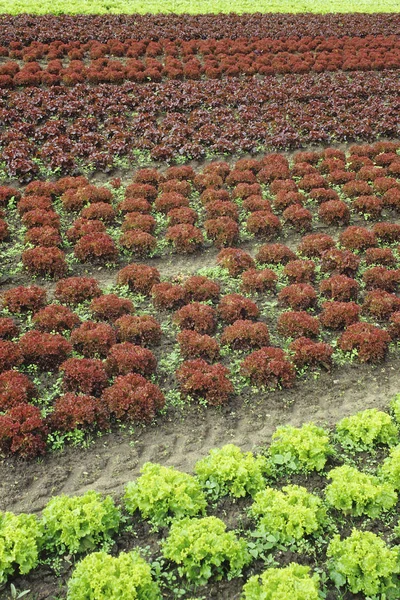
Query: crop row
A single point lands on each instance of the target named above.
(95, 351)
(26, 29)
(331, 528)
(187, 211)
(193, 60)
(195, 7)
(44, 128)
(203, 48)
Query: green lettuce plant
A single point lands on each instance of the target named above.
(288, 514)
(228, 470)
(202, 548)
(366, 429)
(365, 563)
(20, 539)
(390, 469)
(100, 576)
(395, 407)
(73, 524)
(356, 493)
(162, 494)
(292, 582)
(300, 449)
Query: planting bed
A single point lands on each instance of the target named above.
(199, 242)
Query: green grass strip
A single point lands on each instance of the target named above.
(195, 6)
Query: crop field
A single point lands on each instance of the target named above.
(60, 7)
(199, 301)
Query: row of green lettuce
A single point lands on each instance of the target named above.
(194, 6)
(200, 548)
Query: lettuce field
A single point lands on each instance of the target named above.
(60, 7)
(199, 301)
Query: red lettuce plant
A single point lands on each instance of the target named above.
(293, 324)
(314, 244)
(8, 328)
(136, 190)
(125, 357)
(382, 278)
(81, 227)
(380, 256)
(284, 200)
(10, 355)
(222, 208)
(244, 334)
(387, 232)
(138, 242)
(300, 271)
(109, 307)
(168, 296)
(84, 376)
(139, 278)
(264, 224)
(370, 341)
(368, 205)
(133, 398)
(196, 316)
(340, 288)
(394, 329)
(380, 304)
(235, 260)
(55, 317)
(233, 307)
(43, 236)
(357, 238)
(93, 339)
(23, 431)
(41, 218)
(274, 254)
(42, 260)
(310, 353)
(334, 212)
(338, 315)
(201, 289)
(298, 217)
(99, 211)
(75, 290)
(269, 367)
(223, 231)
(167, 202)
(185, 238)
(182, 216)
(15, 388)
(143, 330)
(99, 247)
(340, 262)
(138, 220)
(20, 299)
(298, 296)
(75, 411)
(259, 281)
(195, 345)
(47, 350)
(200, 380)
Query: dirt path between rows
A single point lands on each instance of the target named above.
(181, 440)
